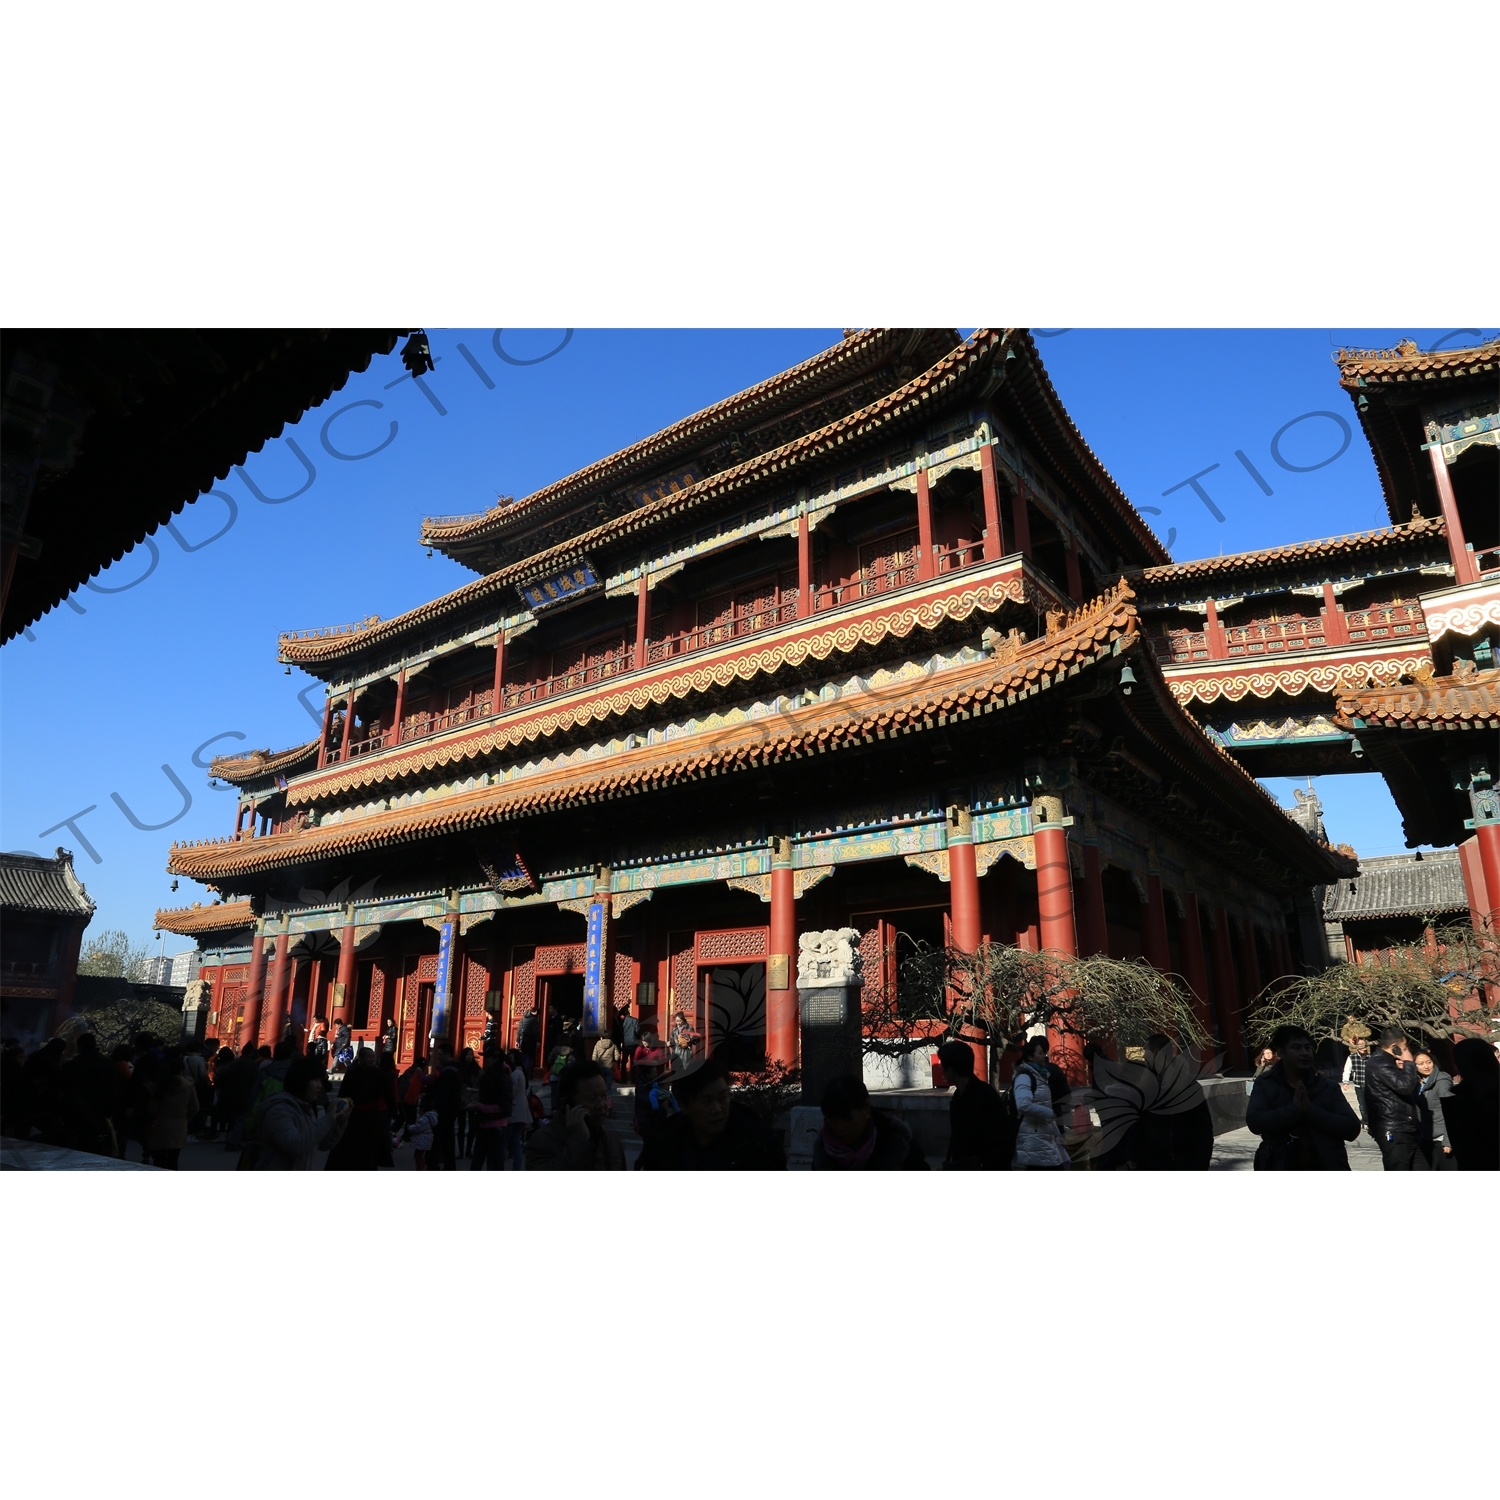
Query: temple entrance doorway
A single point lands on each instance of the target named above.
(560, 1001)
(732, 1014)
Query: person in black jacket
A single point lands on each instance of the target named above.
(1180, 1142)
(492, 1111)
(856, 1138)
(713, 1133)
(1302, 1118)
(982, 1138)
(444, 1093)
(1391, 1087)
(1472, 1111)
(90, 1087)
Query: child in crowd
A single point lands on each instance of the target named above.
(420, 1133)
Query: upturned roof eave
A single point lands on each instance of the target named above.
(680, 438)
(242, 770)
(966, 361)
(1105, 628)
(1053, 427)
(1265, 559)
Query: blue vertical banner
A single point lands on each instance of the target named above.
(593, 971)
(439, 1026)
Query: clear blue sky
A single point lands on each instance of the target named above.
(95, 703)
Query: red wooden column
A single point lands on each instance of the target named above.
(253, 990)
(1213, 634)
(1194, 966)
(1093, 923)
(348, 729)
(278, 999)
(497, 702)
(963, 894)
(1335, 626)
(642, 620)
(1253, 980)
(1054, 898)
(323, 734)
(1280, 950)
(1488, 836)
(782, 1029)
(399, 712)
(963, 881)
(1075, 575)
(994, 539)
(346, 973)
(926, 565)
(1465, 568)
(805, 601)
(1226, 983)
(1019, 518)
(1154, 927)
(1476, 885)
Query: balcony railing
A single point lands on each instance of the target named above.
(687, 641)
(1403, 617)
(1398, 617)
(1181, 646)
(870, 584)
(959, 555)
(1273, 636)
(612, 665)
(26, 968)
(865, 586)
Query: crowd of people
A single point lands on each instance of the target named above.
(279, 1109)
(1309, 1102)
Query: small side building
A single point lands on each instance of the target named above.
(44, 909)
(1393, 899)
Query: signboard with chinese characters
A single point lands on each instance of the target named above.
(440, 990)
(593, 971)
(668, 484)
(546, 593)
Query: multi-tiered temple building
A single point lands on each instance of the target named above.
(876, 643)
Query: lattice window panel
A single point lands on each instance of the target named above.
(562, 958)
(523, 987)
(744, 942)
(622, 984)
(684, 987)
(229, 1002)
(872, 992)
(378, 987)
(427, 966)
(476, 983)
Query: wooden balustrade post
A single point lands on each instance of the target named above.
(642, 620)
(805, 601)
(1213, 634)
(400, 713)
(323, 734)
(926, 565)
(994, 540)
(1021, 520)
(348, 727)
(1465, 564)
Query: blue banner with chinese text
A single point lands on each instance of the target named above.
(593, 971)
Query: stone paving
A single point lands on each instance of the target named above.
(1234, 1151)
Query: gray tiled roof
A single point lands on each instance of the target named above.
(1399, 884)
(31, 883)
